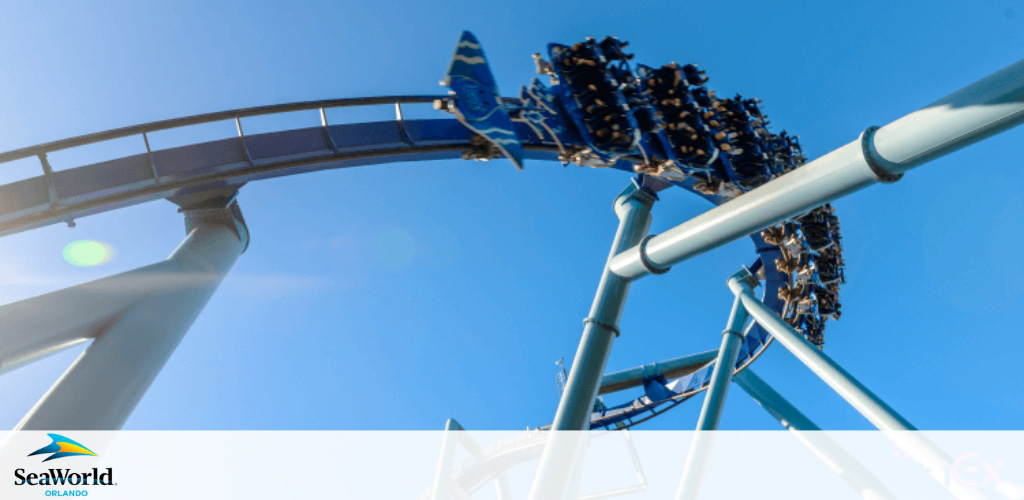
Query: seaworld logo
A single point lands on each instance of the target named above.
(59, 448)
(62, 447)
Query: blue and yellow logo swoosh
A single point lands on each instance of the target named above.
(62, 447)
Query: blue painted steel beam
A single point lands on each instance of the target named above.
(113, 184)
(669, 369)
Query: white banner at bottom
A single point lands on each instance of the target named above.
(504, 465)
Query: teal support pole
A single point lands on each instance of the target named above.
(732, 339)
(714, 401)
(633, 208)
(442, 489)
(670, 369)
(897, 428)
(849, 469)
(563, 452)
(860, 397)
(773, 402)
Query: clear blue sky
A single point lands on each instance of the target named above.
(394, 297)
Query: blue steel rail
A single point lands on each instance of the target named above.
(61, 196)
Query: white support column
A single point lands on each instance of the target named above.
(732, 339)
(442, 489)
(33, 328)
(886, 419)
(986, 107)
(555, 475)
(777, 406)
(696, 462)
(633, 208)
(714, 400)
(866, 484)
(103, 386)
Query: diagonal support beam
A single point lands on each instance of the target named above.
(442, 489)
(849, 469)
(670, 369)
(860, 397)
(37, 327)
(984, 108)
(880, 414)
(633, 208)
(732, 339)
(714, 401)
(774, 403)
(563, 452)
(103, 386)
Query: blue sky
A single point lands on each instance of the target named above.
(396, 296)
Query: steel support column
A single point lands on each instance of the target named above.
(711, 412)
(696, 462)
(732, 339)
(442, 489)
(860, 397)
(867, 403)
(103, 386)
(773, 402)
(633, 208)
(849, 469)
(984, 108)
(563, 450)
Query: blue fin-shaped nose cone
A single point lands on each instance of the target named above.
(477, 103)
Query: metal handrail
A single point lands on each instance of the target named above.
(117, 133)
(67, 210)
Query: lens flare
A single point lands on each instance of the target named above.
(86, 253)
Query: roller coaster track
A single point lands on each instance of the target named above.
(227, 164)
(192, 174)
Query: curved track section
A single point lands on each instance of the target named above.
(216, 166)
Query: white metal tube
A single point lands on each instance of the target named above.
(867, 403)
(969, 115)
(831, 453)
(446, 463)
(732, 339)
(556, 476)
(714, 401)
(34, 328)
(696, 463)
(103, 386)
(558, 473)
(986, 107)
(633, 208)
(773, 402)
(884, 417)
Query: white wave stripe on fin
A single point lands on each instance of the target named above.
(503, 141)
(469, 60)
(498, 130)
(498, 140)
(529, 121)
(467, 43)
